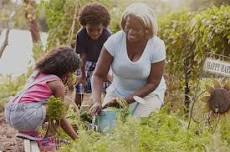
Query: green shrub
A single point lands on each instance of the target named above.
(9, 87)
(160, 132)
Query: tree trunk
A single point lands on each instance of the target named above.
(30, 14)
(5, 43)
(9, 27)
(35, 31)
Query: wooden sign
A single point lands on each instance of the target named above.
(216, 66)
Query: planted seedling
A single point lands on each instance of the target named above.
(124, 109)
(55, 112)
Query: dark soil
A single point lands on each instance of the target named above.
(8, 141)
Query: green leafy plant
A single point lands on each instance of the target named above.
(56, 110)
(10, 86)
(161, 131)
(189, 37)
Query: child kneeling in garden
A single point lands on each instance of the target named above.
(27, 111)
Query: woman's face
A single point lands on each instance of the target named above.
(94, 31)
(135, 29)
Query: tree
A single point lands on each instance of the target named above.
(189, 37)
(7, 14)
(30, 14)
(203, 4)
(5, 42)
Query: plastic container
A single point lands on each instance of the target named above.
(106, 121)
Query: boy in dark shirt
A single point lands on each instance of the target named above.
(94, 19)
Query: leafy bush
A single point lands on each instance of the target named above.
(60, 19)
(59, 16)
(211, 31)
(10, 87)
(162, 131)
(189, 37)
(175, 31)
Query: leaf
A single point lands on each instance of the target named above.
(227, 85)
(122, 102)
(204, 98)
(216, 83)
(209, 88)
(206, 108)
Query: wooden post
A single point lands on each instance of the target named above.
(30, 146)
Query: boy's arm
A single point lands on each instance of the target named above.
(80, 49)
(83, 61)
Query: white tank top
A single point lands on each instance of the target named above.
(129, 76)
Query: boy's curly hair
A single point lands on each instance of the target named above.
(94, 14)
(59, 61)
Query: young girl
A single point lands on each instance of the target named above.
(27, 111)
(94, 19)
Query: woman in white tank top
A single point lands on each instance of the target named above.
(136, 56)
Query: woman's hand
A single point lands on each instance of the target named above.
(109, 78)
(112, 103)
(95, 109)
(116, 103)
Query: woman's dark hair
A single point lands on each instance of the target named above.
(94, 14)
(59, 61)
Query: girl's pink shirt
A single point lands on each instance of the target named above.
(39, 92)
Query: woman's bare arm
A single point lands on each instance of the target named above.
(100, 74)
(152, 82)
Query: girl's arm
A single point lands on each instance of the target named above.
(58, 89)
(152, 82)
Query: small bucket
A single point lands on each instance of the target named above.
(106, 121)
